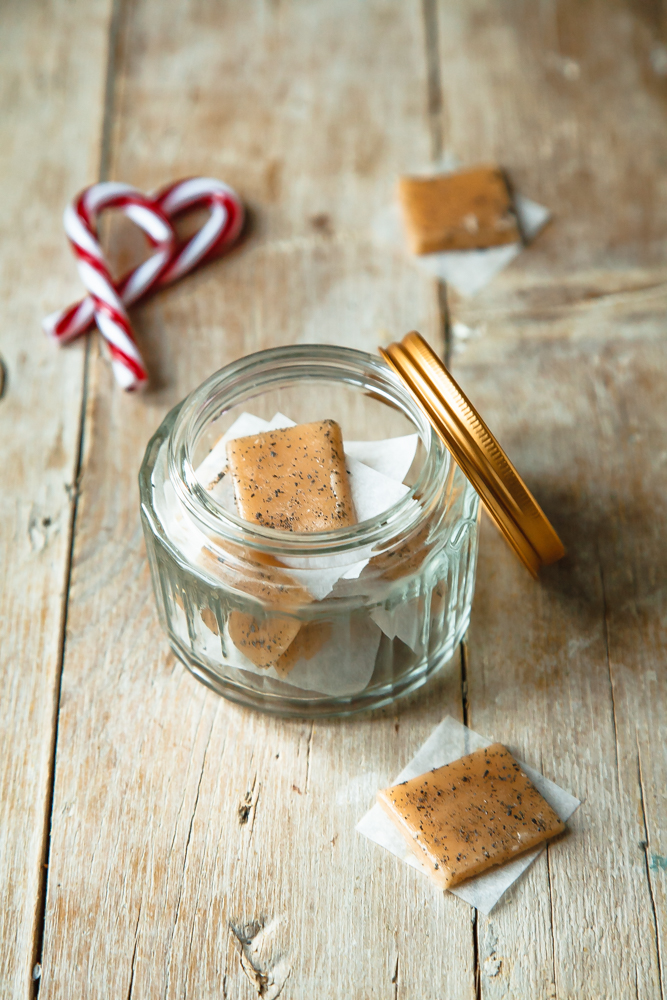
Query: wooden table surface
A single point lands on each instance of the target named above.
(159, 842)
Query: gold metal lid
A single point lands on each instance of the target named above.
(506, 497)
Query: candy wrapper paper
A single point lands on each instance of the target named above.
(449, 741)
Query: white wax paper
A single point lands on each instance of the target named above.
(449, 741)
(470, 270)
(405, 620)
(391, 457)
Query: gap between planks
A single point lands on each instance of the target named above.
(40, 908)
(647, 848)
(105, 153)
(436, 125)
(435, 119)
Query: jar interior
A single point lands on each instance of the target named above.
(362, 414)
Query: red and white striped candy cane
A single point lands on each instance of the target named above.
(80, 221)
(171, 261)
(221, 229)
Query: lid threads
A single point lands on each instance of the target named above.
(507, 499)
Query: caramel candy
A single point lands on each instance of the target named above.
(472, 814)
(263, 642)
(308, 642)
(294, 479)
(266, 641)
(461, 211)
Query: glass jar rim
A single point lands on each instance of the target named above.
(269, 368)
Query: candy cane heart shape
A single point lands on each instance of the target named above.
(81, 227)
(221, 229)
(219, 232)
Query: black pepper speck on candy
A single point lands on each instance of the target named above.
(312, 492)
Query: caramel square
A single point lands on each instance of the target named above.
(264, 639)
(470, 815)
(470, 209)
(264, 642)
(294, 478)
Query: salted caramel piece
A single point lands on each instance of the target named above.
(472, 814)
(294, 479)
(307, 643)
(470, 209)
(264, 642)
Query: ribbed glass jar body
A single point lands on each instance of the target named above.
(310, 623)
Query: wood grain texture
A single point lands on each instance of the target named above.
(199, 849)
(564, 355)
(571, 99)
(53, 59)
(570, 672)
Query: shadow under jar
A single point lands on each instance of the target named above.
(356, 616)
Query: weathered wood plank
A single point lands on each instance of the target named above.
(571, 99)
(570, 671)
(564, 356)
(197, 846)
(52, 77)
(156, 883)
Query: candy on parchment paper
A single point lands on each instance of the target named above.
(467, 816)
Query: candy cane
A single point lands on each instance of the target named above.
(106, 303)
(220, 230)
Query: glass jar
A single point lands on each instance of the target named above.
(318, 623)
